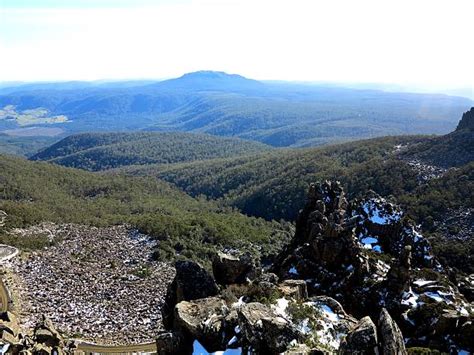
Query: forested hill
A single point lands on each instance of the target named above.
(273, 184)
(35, 192)
(101, 151)
(278, 114)
(453, 149)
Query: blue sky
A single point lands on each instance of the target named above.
(422, 42)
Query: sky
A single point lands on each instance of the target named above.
(407, 42)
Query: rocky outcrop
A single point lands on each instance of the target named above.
(367, 338)
(390, 336)
(264, 330)
(47, 335)
(233, 269)
(191, 282)
(362, 339)
(45, 339)
(467, 120)
(205, 320)
(369, 255)
(432, 157)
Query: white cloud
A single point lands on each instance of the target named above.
(427, 42)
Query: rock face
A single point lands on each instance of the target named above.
(368, 256)
(191, 282)
(390, 336)
(348, 264)
(467, 120)
(230, 269)
(362, 339)
(204, 320)
(264, 330)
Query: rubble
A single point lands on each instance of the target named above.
(96, 284)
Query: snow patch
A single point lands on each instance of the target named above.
(280, 307)
(410, 298)
(422, 283)
(239, 303)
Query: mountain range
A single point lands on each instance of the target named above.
(282, 114)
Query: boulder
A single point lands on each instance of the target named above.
(229, 269)
(265, 331)
(203, 320)
(191, 282)
(361, 340)
(295, 289)
(9, 323)
(390, 336)
(45, 333)
(169, 343)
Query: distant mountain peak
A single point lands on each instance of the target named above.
(209, 80)
(211, 74)
(467, 120)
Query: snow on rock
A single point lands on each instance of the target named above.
(239, 303)
(422, 283)
(328, 327)
(280, 307)
(410, 298)
(377, 212)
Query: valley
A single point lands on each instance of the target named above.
(189, 240)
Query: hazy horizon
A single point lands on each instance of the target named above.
(467, 92)
(425, 44)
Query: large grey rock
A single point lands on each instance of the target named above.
(391, 338)
(202, 320)
(191, 282)
(361, 340)
(295, 289)
(230, 269)
(265, 331)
